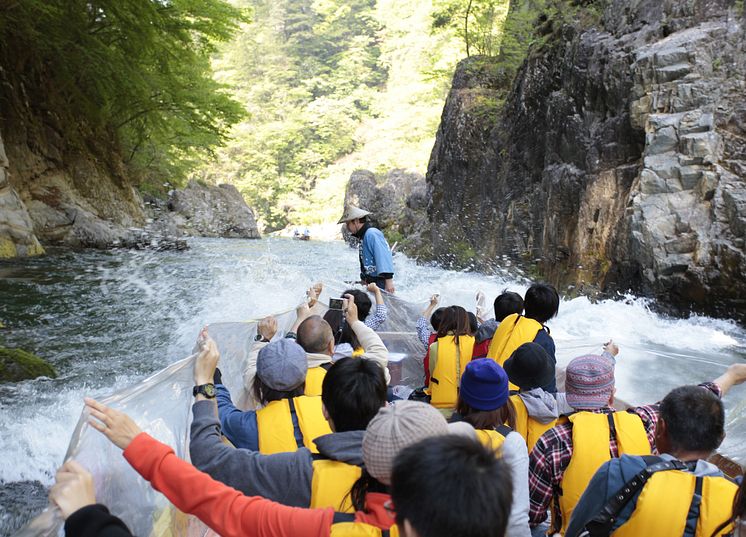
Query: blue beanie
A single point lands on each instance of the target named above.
(484, 385)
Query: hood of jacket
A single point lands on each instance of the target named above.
(344, 447)
(544, 406)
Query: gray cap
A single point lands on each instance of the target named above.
(400, 425)
(282, 365)
(352, 213)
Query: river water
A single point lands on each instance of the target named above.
(109, 319)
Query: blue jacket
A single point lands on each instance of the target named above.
(375, 254)
(241, 427)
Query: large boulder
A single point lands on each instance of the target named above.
(17, 238)
(397, 201)
(17, 365)
(616, 162)
(202, 210)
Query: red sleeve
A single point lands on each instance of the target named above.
(222, 508)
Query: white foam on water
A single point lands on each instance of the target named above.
(223, 280)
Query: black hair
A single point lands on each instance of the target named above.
(353, 391)
(365, 483)
(341, 329)
(487, 419)
(473, 323)
(541, 302)
(455, 321)
(264, 394)
(436, 318)
(506, 304)
(362, 301)
(314, 334)
(695, 419)
(451, 485)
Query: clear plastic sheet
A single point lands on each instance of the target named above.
(161, 406)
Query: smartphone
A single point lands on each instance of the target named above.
(335, 304)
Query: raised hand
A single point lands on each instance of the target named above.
(73, 488)
(116, 426)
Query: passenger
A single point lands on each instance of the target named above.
(676, 493)
(440, 487)
(565, 457)
(540, 304)
(315, 336)
(353, 391)
(428, 334)
(288, 419)
(537, 410)
(505, 304)
(265, 331)
(484, 404)
(380, 313)
(449, 354)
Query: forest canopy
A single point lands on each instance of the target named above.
(135, 73)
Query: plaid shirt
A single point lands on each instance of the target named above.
(551, 456)
(378, 317)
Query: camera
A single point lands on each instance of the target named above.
(335, 304)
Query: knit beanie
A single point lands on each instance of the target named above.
(530, 366)
(395, 427)
(282, 365)
(484, 385)
(589, 382)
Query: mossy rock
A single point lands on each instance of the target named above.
(17, 365)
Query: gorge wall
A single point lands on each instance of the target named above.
(614, 160)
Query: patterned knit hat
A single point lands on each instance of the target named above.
(589, 382)
(397, 426)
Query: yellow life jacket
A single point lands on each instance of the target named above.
(664, 503)
(344, 525)
(450, 365)
(314, 380)
(526, 426)
(275, 424)
(331, 484)
(513, 331)
(493, 438)
(591, 434)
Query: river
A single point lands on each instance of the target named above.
(109, 319)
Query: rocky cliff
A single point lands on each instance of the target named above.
(16, 230)
(54, 194)
(616, 158)
(201, 210)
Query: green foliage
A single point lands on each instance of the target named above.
(133, 75)
(306, 72)
(17, 365)
(477, 22)
(330, 86)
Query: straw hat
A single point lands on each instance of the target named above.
(352, 213)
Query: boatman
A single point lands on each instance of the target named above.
(376, 263)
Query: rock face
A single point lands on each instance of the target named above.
(57, 195)
(397, 201)
(206, 211)
(618, 160)
(17, 365)
(17, 237)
